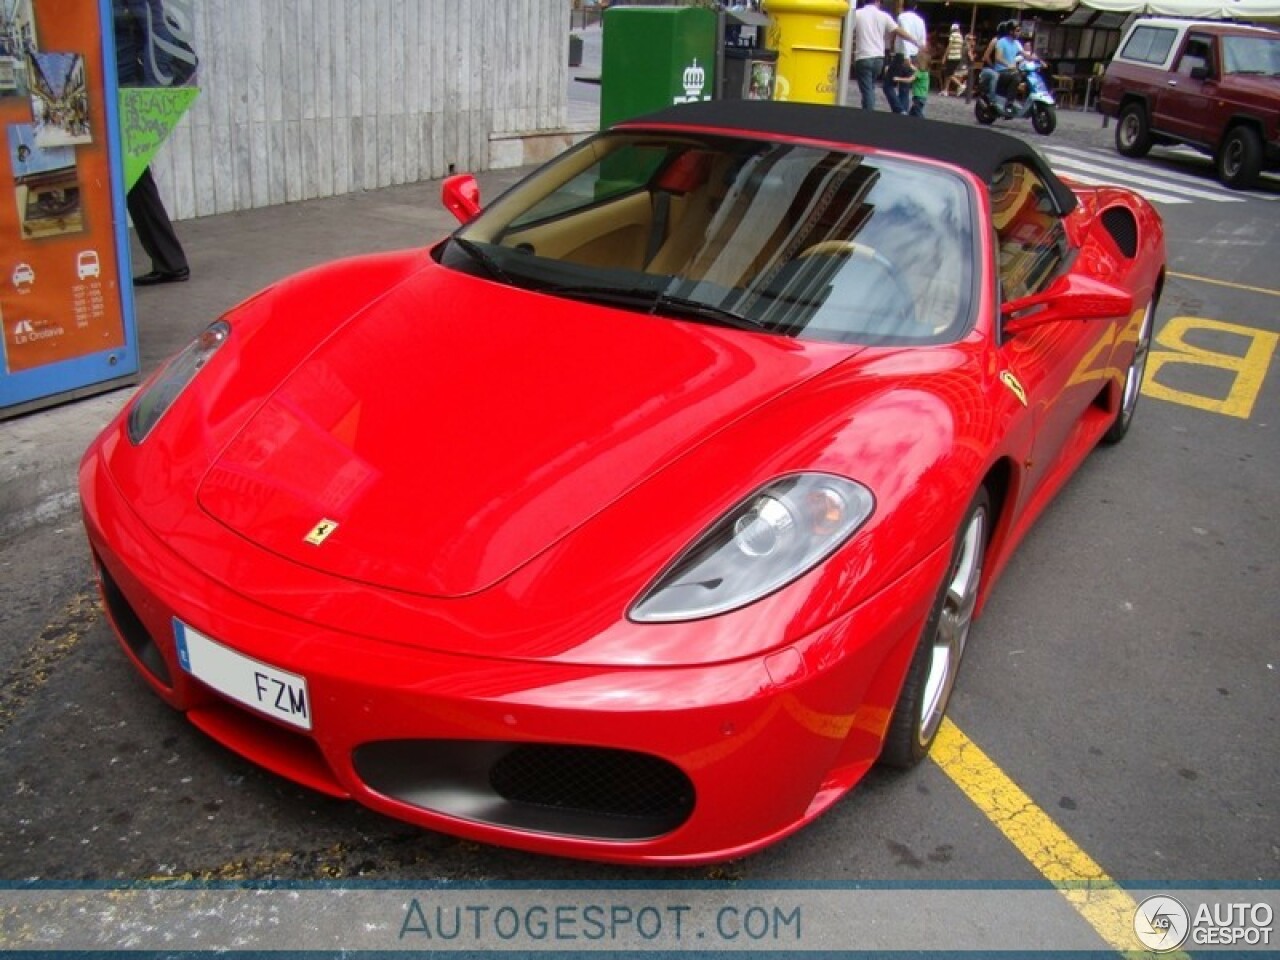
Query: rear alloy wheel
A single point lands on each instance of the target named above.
(984, 112)
(1240, 158)
(1133, 136)
(932, 674)
(1133, 379)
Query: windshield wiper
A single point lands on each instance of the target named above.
(684, 306)
(482, 257)
(654, 301)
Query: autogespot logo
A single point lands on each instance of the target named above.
(1161, 923)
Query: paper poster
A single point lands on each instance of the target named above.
(60, 297)
(147, 117)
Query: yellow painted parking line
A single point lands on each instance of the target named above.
(1226, 283)
(1085, 885)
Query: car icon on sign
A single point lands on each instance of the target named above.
(87, 264)
(23, 275)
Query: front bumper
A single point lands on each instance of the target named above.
(659, 765)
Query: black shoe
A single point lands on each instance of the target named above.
(162, 276)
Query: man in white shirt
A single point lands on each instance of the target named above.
(872, 28)
(911, 37)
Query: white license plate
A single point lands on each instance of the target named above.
(265, 688)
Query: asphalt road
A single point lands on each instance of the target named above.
(1124, 675)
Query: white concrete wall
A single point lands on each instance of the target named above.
(312, 98)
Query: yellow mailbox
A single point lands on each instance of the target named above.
(806, 34)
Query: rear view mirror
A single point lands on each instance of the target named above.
(461, 196)
(1068, 298)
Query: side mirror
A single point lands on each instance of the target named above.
(461, 196)
(1199, 73)
(1068, 298)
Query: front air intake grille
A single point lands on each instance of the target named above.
(563, 789)
(593, 779)
(131, 628)
(1122, 226)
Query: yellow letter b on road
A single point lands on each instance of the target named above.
(1246, 371)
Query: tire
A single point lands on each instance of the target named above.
(984, 112)
(1044, 118)
(1239, 159)
(1133, 379)
(1133, 134)
(932, 674)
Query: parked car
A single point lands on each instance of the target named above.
(1212, 86)
(638, 518)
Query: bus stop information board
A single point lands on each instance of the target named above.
(66, 315)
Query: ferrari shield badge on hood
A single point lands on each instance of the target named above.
(320, 532)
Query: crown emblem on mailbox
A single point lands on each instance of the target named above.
(694, 79)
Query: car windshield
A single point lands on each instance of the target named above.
(800, 241)
(1252, 55)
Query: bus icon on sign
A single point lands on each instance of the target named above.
(87, 264)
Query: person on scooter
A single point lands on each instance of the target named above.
(990, 72)
(1007, 54)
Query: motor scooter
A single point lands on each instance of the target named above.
(1030, 97)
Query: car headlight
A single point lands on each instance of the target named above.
(157, 396)
(778, 533)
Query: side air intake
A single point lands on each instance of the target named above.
(1122, 226)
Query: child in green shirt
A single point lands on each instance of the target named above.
(920, 84)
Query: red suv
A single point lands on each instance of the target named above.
(1212, 86)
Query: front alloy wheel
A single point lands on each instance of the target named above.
(932, 674)
(1044, 118)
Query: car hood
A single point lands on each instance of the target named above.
(450, 432)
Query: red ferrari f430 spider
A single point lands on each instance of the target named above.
(638, 518)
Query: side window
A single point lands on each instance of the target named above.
(1030, 235)
(1149, 44)
(1196, 54)
(616, 175)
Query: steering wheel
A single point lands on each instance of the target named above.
(902, 318)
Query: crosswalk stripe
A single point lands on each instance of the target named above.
(1121, 163)
(1122, 167)
(1151, 195)
(1126, 178)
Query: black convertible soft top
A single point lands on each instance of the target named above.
(976, 149)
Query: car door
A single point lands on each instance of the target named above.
(1057, 366)
(1184, 104)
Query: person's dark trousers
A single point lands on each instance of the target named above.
(155, 231)
(890, 86)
